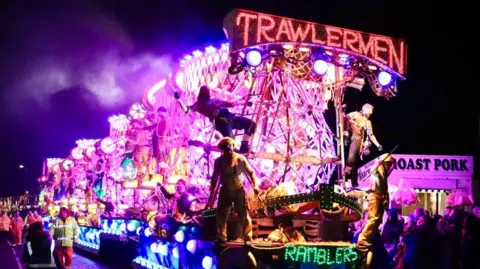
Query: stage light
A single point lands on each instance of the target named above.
(384, 78)
(254, 57)
(320, 67)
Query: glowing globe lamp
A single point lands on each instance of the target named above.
(384, 78)
(254, 57)
(320, 67)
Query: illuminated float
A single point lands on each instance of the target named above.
(285, 72)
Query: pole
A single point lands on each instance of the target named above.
(337, 99)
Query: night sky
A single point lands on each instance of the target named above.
(67, 65)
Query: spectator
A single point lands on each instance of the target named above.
(39, 248)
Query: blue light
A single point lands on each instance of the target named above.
(384, 78)
(254, 57)
(320, 67)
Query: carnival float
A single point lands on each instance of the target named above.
(150, 177)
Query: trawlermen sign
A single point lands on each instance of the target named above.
(247, 28)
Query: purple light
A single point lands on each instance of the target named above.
(384, 78)
(320, 67)
(254, 58)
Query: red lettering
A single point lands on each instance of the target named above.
(315, 40)
(333, 36)
(246, 26)
(378, 48)
(262, 30)
(350, 38)
(283, 30)
(367, 49)
(397, 58)
(298, 35)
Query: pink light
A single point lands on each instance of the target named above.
(77, 153)
(137, 112)
(89, 151)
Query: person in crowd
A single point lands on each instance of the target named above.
(39, 248)
(17, 229)
(4, 225)
(32, 217)
(65, 232)
(392, 229)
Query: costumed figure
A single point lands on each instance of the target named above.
(360, 126)
(223, 120)
(228, 169)
(378, 198)
(141, 152)
(159, 138)
(98, 182)
(89, 187)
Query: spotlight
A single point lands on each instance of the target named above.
(254, 57)
(384, 78)
(320, 67)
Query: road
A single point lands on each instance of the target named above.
(11, 258)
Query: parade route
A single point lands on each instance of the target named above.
(11, 258)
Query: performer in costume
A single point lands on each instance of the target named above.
(358, 124)
(217, 112)
(378, 198)
(141, 142)
(227, 171)
(159, 138)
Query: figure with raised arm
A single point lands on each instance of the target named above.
(223, 120)
(361, 133)
(228, 170)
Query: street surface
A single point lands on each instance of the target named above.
(11, 258)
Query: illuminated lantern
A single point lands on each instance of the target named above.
(89, 152)
(77, 153)
(107, 145)
(67, 165)
(137, 112)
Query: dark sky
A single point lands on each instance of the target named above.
(59, 58)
